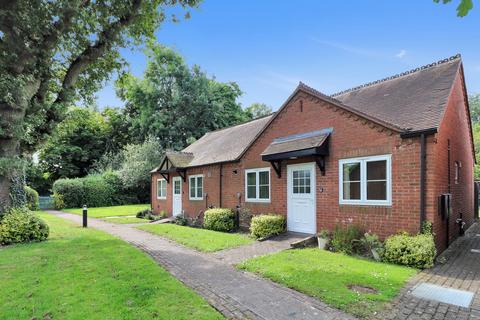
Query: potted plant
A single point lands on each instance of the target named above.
(323, 237)
(372, 244)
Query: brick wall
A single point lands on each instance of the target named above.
(454, 128)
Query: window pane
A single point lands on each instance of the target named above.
(251, 192)
(351, 171)
(199, 187)
(263, 178)
(351, 191)
(263, 191)
(159, 192)
(377, 170)
(251, 178)
(192, 187)
(377, 190)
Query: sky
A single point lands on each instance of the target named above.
(268, 46)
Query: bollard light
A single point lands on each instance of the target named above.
(84, 215)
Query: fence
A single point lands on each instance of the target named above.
(45, 203)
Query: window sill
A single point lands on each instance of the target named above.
(257, 201)
(195, 199)
(162, 198)
(366, 204)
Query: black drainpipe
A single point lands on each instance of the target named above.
(221, 185)
(447, 242)
(423, 166)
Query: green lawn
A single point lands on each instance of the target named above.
(125, 220)
(100, 212)
(200, 239)
(326, 275)
(87, 274)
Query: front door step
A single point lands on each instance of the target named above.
(309, 241)
(430, 291)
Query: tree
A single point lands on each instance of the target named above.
(176, 103)
(75, 144)
(257, 110)
(474, 103)
(138, 161)
(56, 52)
(463, 7)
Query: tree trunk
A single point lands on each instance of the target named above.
(12, 116)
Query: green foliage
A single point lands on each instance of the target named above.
(20, 225)
(415, 251)
(32, 198)
(95, 190)
(75, 145)
(181, 221)
(324, 234)
(38, 179)
(163, 214)
(427, 227)
(148, 214)
(176, 103)
(138, 161)
(266, 225)
(345, 239)
(370, 242)
(219, 219)
(58, 202)
(463, 7)
(258, 110)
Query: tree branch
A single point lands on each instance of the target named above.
(105, 40)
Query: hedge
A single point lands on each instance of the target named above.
(96, 190)
(267, 225)
(31, 195)
(415, 251)
(22, 225)
(219, 219)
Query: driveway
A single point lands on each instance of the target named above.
(236, 294)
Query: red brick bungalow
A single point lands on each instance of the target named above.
(386, 155)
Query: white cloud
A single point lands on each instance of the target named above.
(401, 54)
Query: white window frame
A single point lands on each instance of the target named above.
(363, 181)
(158, 189)
(196, 176)
(257, 185)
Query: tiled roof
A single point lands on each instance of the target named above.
(225, 144)
(413, 100)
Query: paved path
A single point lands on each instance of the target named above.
(275, 244)
(236, 294)
(460, 271)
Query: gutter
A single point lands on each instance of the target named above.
(423, 166)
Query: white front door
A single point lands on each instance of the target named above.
(177, 196)
(301, 204)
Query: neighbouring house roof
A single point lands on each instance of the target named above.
(414, 100)
(288, 145)
(226, 144)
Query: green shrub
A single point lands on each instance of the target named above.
(163, 214)
(219, 219)
(71, 190)
(181, 221)
(32, 198)
(144, 213)
(345, 239)
(415, 251)
(58, 202)
(95, 190)
(22, 225)
(267, 225)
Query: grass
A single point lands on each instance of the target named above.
(87, 274)
(125, 220)
(199, 239)
(101, 212)
(326, 276)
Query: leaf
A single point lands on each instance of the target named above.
(464, 7)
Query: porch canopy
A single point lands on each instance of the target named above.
(174, 162)
(309, 144)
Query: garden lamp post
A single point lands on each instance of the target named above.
(84, 214)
